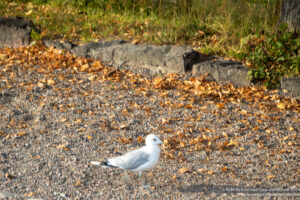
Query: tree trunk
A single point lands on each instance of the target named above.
(290, 14)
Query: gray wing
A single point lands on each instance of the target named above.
(136, 162)
(131, 160)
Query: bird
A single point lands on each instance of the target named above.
(140, 159)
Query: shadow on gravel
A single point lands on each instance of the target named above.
(230, 189)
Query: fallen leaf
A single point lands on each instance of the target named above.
(50, 81)
(89, 137)
(281, 106)
(201, 170)
(140, 139)
(224, 169)
(220, 105)
(84, 67)
(285, 138)
(210, 172)
(184, 170)
(135, 42)
(271, 176)
(77, 183)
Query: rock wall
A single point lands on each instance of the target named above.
(15, 32)
(162, 59)
(159, 59)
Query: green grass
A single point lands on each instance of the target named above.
(205, 22)
(210, 26)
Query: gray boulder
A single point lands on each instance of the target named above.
(59, 45)
(223, 70)
(291, 84)
(15, 32)
(158, 58)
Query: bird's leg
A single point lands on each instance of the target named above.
(140, 174)
(143, 184)
(126, 177)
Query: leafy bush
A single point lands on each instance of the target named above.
(271, 57)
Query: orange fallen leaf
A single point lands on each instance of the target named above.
(135, 42)
(89, 137)
(220, 105)
(201, 170)
(244, 112)
(224, 169)
(184, 170)
(271, 176)
(63, 120)
(30, 194)
(50, 81)
(21, 134)
(140, 139)
(84, 67)
(210, 172)
(189, 106)
(281, 106)
(285, 138)
(77, 183)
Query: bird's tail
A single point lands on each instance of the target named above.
(103, 164)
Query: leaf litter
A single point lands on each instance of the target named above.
(66, 111)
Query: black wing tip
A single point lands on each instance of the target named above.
(105, 164)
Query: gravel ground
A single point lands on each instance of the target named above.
(217, 145)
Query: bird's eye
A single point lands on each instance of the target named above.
(154, 140)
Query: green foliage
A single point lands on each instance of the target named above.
(272, 57)
(215, 27)
(35, 35)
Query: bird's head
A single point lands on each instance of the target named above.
(152, 139)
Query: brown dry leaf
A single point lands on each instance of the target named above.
(89, 137)
(184, 170)
(189, 106)
(224, 169)
(62, 146)
(244, 112)
(220, 105)
(290, 128)
(267, 163)
(164, 121)
(280, 106)
(30, 194)
(260, 145)
(78, 121)
(285, 138)
(77, 183)
(125, 140)
(201, 170)
(20, 134)
(135, 42)
(140, 139)
(210, 172)
(84, 67)
(50, 81)
(63, 120)
(271, 176)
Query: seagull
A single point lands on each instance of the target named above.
(137, 160)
